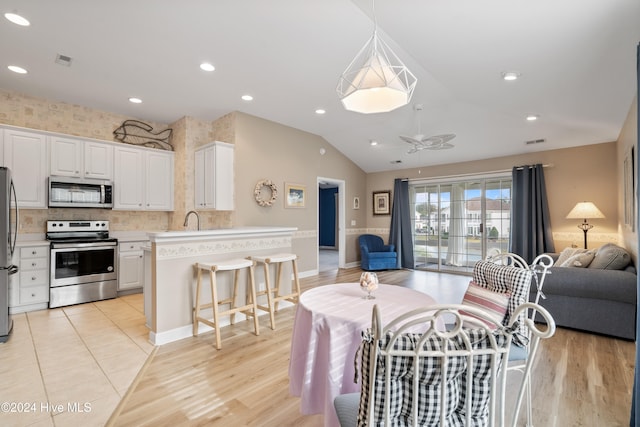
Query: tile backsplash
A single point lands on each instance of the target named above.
(41, 114)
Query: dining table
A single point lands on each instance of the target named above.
(327, 332)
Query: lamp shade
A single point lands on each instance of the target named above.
(584, 210)
(376, 81)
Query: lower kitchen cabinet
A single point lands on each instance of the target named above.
(29, 288)
(130, 265)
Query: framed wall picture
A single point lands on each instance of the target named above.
(382, 202)
(629, 190)
(294, 195)
(356, 203)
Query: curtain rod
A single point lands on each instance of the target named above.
(550, 165)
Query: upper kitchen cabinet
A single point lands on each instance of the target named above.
(25, 153)
(143, 179)
(214, 185)
(81, 159)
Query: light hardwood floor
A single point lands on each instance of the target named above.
(580, 379)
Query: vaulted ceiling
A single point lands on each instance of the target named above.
(576, 60)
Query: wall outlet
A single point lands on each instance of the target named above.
(353, 222)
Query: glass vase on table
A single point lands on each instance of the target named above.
(369, 283)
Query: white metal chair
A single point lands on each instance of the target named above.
(519, 355)
(412, 373)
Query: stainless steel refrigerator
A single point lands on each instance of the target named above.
(8, 234)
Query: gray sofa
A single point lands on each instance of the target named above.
(592, 298)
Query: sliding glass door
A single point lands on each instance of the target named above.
(457, 223)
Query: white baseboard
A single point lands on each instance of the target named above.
(186, 331)
(308, 273)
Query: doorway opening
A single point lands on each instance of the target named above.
(331, 225)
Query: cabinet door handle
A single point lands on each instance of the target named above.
(33, 264)
(33, 295)
(33, 253)
(33, 278)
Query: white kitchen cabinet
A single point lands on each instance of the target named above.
(143, 179)
(81, 159)
(214, 180)
(130, 265)
(159, 180)
(31, 289)
(25, 153)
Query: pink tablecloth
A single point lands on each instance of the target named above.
(326, 335)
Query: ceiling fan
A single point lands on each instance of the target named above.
(422, 142)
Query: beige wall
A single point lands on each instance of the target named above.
(268, 150)
(574, 174)
(628, 139)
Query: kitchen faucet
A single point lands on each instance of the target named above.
(186, 218)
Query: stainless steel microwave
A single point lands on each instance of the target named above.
(80, 193)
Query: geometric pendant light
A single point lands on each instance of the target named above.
(376, 81)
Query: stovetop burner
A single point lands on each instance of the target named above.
(78, 231)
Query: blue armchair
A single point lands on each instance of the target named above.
(375, 255)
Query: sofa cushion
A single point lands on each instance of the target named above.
(580, 259)
(566, 254)
(495, 303)
(610, 257)
(590, 284)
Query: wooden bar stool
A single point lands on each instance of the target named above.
(273, 294)
(249, 309)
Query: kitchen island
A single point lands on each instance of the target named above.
(170, 277)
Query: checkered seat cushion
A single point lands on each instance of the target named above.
(430, 373)
(510, 280)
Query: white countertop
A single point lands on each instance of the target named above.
(168, 236)
(31, 239)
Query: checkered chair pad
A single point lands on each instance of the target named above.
(510, 280)
(430, 377)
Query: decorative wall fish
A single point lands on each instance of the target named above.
(139, 133)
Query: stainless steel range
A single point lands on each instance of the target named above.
(83, 262)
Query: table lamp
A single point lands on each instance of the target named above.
(585, 210)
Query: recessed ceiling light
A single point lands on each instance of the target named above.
(135, 100)
(510, 75)
(532, 117)
(320, 111)
(373, 143)
(247, 97)
(17, 19)
(207, 67)
(17, 69)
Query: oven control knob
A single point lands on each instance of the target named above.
(110, 268)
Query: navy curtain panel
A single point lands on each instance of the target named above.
(530, 221)
(400, 232)
(635, 416)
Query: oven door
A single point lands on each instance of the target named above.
(76, 263)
